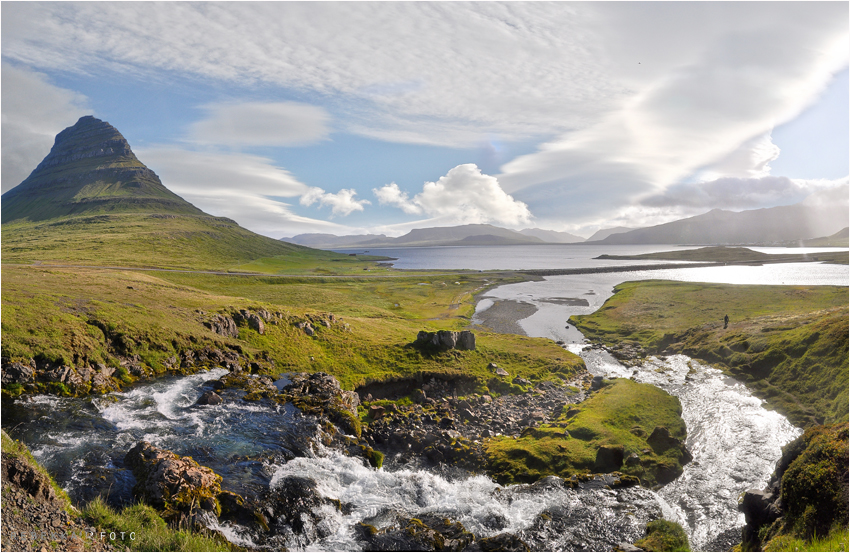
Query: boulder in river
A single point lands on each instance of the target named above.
(209, 398)
(177, 485)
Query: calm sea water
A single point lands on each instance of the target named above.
(544, 256)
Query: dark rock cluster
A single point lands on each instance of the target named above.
(445, 340)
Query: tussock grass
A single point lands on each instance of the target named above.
(144, 530)
(663, 535)
(837, 539)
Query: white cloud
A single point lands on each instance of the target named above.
(34, 111)
(738, 193)
(464, 195)
(341, 203)
(633, 98)
(749, 160)
(245, 188)
(402, 71)
(261, 124)
(720, 86)
(829, 193)
(206, 172)
(391, 194)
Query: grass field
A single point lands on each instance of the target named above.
(85, 316)
(787, 343)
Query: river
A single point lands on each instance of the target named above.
(735, 442)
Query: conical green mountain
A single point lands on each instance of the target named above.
(91, 169)
(91, 201)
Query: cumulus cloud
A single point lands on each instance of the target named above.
(246, 188)
(34, 111)
(463, 195)
(341, 203)
(391, 194)
(261, 124)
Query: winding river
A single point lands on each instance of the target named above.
(735, 442)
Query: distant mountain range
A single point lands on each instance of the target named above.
(602, 234)
(812, 223)
(774, 225)
(464, 235)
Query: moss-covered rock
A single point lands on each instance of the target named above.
(807, 495)
(176, 485)
(632, 428)
(663, 535)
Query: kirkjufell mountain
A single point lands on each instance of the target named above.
(90, 169)
(91, 200)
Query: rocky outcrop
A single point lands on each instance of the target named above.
(34, 518)
(174, 484)
(445, 340)
(321, 320)
(224, 326)
(400, 533)
(320, 394)
(253, 320)
(18, 373)
(439, 428)
(17, 472)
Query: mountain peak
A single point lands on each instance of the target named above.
(88, 138)
(90, 169)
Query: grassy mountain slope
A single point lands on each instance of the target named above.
(90, 170)
(92, 202)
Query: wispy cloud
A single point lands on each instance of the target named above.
(249, 189)
(631, 103)
(707, 110)
(34, 111)
(463, 196)
(261, 124)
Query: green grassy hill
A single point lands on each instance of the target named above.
(92, 202)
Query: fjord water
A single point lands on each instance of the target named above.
(538, 256)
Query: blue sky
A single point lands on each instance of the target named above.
(383, 117)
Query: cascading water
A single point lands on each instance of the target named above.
(734, 439)
(254, 448)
